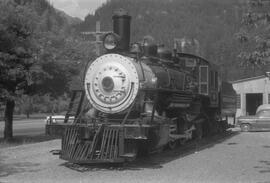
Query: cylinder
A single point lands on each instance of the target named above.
(121, 26)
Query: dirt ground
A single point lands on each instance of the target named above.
(237, 157)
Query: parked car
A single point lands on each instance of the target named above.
(258, 122)
(57, 119)
(263, 107)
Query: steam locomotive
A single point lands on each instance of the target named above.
(142, 98)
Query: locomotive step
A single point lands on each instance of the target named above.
(128, 155)
(178, 136)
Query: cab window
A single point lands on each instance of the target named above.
(203, 73)
(212, 79)
(216, 80)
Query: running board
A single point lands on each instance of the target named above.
(128, 155)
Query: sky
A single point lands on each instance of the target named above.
(77, 8)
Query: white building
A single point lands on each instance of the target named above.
(251, 92)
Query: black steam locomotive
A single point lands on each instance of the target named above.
(142, 98)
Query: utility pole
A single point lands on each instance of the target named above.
(97, 35)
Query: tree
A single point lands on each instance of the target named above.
(38, 54)
(255, 36)
(61, 57)
(26, 105)
(17, 56)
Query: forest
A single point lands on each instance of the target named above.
(216, 24)
(212, 22)
(42, 50)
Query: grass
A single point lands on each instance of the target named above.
(23, 116)
(25, 139)
(32, 116)
(20, 140)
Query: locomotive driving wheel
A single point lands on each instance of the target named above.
(182, 141)
(182, 128)
(179, 127)
(172, 144)
(173, 130)
(198, 131)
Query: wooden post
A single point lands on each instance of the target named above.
(97, 35)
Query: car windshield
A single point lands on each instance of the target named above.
(263, 113)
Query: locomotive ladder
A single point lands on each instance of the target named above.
(75, 104)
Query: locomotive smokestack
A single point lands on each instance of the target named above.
(121, 26)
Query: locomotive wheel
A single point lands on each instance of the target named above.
(172, 144)
(131, 147)
(182, 141)
(198, 131)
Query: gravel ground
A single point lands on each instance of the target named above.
(239, 157)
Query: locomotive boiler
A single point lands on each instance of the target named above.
(141, 98)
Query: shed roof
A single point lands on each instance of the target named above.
(248, 79)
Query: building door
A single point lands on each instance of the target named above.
(253, 101)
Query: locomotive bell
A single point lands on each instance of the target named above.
(149, 46)
(121, 26)
(164, 53)
(150, 49)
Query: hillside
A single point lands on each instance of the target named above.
(45, 10)
(69, 19)
(212, 22)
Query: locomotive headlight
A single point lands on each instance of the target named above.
(111, 41)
